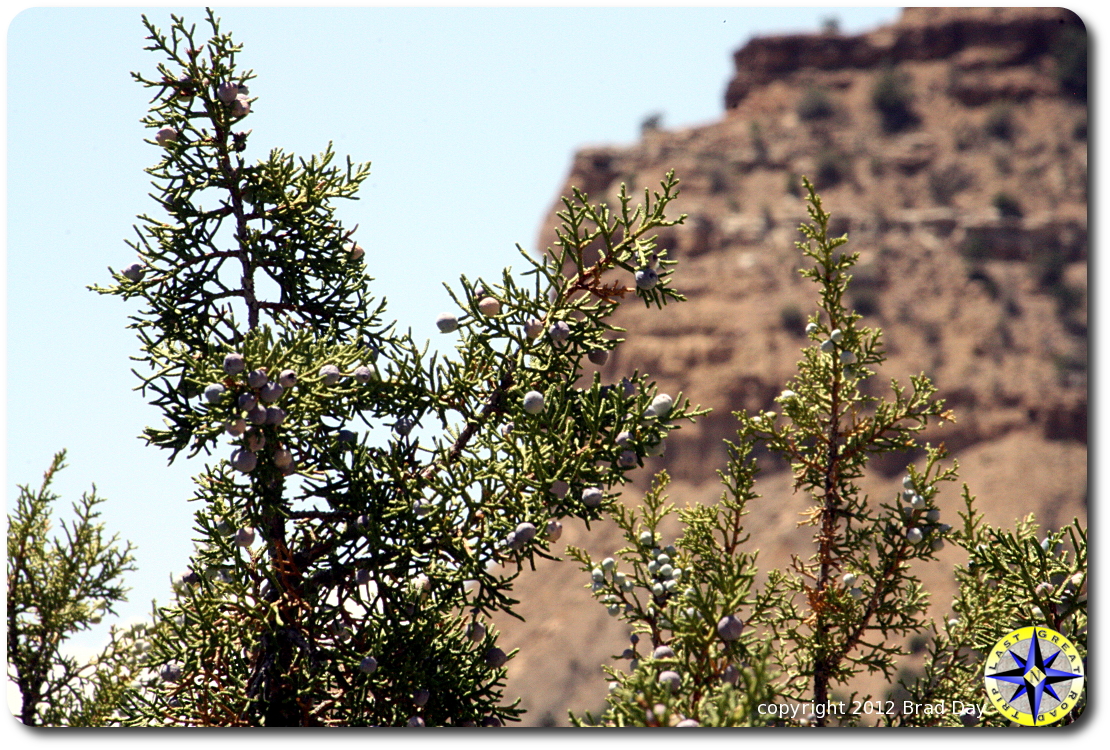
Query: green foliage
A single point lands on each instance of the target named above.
(1070, 51)
(893, 99)
(337, 568)
(855, 604)
(832, 168)
(1000, 122)
(1007, 205)
(792, 319)
(57, 586)
(947, 182)
(815, 104)
(759, 142)
(673, 596)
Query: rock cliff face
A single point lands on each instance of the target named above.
(951, 147)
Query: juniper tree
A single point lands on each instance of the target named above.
(366, 505)
(709, 645)
(60, 585)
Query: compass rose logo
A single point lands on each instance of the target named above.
(1034, 676)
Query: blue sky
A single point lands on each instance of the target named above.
(470, 118)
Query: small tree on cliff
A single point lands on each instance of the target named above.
(342, 575)
(710, 647)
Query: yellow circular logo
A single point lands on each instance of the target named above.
(1034, 676)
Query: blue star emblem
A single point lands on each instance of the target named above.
(1034, 675)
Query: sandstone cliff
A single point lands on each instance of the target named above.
(951, 147)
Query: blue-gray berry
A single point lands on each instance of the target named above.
(234, 363)
(244, 461)
(227, 92)
(592, 496)
(287, 378)
(476, 631)
(247, 401)
(275, 415)
(730, 627)
(244, 537)
(627, 459)
(363, 374)
(447, 322)
(598, 357)
(533, 402)
(559, 332)
(663, 652)
(647, 278)
(368, 665)
(241, 107)
(257, 378)
(660, 406)
(283, 458)
(489, 306)
(553, 531)
(213, 393)
(403, 426)
(421, 697)
(670, 679)
(271, 392)
(346, 436)
(134, 272)
(496, 658)
(533, 328)
(257, 415)
(330, 374)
